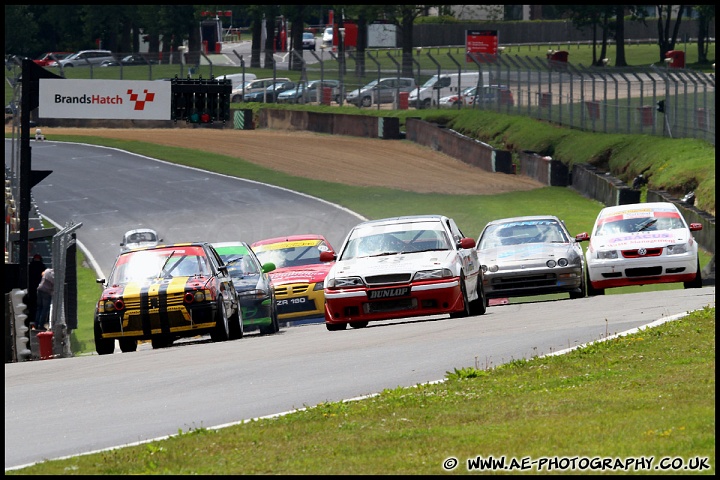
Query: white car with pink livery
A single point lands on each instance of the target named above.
(640, 244)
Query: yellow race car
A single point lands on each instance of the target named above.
(163, 293)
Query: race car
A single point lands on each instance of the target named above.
(253, 285)
(163, 293)
(640, 244)
(403, 267)
(299, 274)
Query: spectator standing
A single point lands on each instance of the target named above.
(44, 298)
(35, 271)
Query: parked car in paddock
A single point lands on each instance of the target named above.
(163, 293)
(269, 95)
(299, 273)
(83, 58)
(641, 244)
(490, 95)
(383, 90)
(403, 267)
(310, 92)
(47, 58)
(530, 255)
(253, 286)
(129, 61)
(308, 41)
(256, 85)
(139, 237)
(327, 37)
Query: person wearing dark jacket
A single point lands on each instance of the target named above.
(44, 298)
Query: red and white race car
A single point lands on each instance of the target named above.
(640, 244)
(299, 274)
(403, 267)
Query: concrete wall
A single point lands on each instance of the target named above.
(463, 148)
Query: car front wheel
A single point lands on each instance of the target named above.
(103, 346)
(366, 102)
(334, 327)
(697, 282)
(479, 306)
(128, 345)
(592, 291)
(221, 331)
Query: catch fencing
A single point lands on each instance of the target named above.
(662, 101)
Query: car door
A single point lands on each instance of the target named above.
(225, 283)
(386, 89)
(468, 258)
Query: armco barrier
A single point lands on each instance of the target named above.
(458, 146)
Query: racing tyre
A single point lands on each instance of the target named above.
(465, 312)
(236, 326)
(161, 342)
(358, 324)
(697, 282)
(274, 326)
(128, 344)
(581, 293)
(103, 346)
(591, 291)
(221, 332)
(334, 327)
(479, 306)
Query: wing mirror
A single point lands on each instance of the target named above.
(327, 256)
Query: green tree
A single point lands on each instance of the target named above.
(706, 15)
(20, 30)
(666, 38)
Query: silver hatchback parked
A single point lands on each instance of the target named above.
(380, 91)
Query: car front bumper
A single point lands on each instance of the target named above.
(642, 271)
(429, 298)
(534, 281)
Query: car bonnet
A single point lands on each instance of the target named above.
(400, 263)
(304, 274)
(649, 239)
(530, 251)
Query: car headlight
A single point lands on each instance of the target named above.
(607, 255)
(256, 294)
(563, 262)
(491, 268)
(344, 282)
(433, 274)
(551, 263)
(318, 286)
(677, 249)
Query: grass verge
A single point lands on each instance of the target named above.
(649, 394)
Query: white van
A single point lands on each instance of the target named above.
(444, 85)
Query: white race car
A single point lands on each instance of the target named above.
(403, 267)
(640, 244)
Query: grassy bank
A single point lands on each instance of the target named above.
(650, 394)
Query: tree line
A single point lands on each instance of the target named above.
(31, 30)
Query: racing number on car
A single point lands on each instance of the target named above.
(288, 301)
